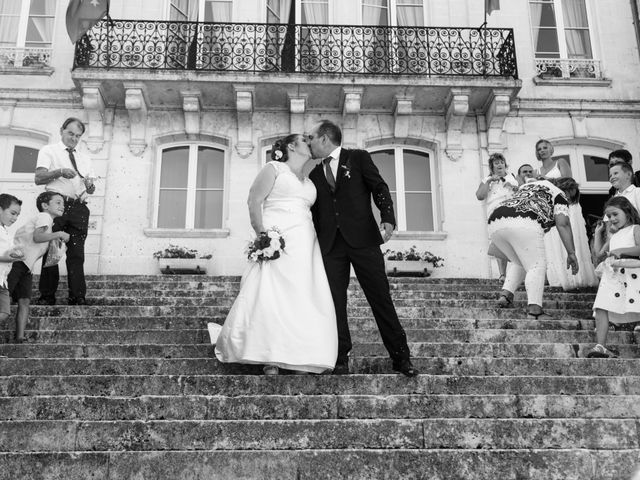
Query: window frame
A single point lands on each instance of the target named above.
(392, 10)
(11, 143)
(200, 10)
(576, 153)
(23, 26)
(191, 186)
(560, 31)
(400, 203)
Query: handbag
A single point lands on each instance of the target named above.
(56, 250)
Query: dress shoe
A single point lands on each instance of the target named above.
(406, 368)
(46, 301)
(341, 369)
(77, 301)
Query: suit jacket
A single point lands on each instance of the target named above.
(349, 207)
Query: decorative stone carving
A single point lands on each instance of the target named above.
(244, 109)
(136, 105)
(350, 112)
(457, 107)
(297, 107)
(579, 123)
(402, 110)
(191, 109)
(93, 104)
(497, 109)
(7, 107)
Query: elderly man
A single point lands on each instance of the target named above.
(63, 170)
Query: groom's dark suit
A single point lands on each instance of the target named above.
(349, 234)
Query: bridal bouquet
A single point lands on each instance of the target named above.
(268, 245)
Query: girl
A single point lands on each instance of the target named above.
(618, 298)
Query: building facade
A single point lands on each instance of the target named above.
(183, 99)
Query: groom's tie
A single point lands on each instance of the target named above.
(331, 180)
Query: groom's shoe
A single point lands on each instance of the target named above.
(341, 369)
(406, 368)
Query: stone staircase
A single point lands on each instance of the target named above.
(128, 388)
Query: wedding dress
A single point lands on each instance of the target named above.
(284, 313)
(558, 274)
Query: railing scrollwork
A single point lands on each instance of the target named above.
(310, 49)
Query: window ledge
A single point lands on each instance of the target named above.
(26, 71)
(184, 233)
(573, 82)
(419, 236)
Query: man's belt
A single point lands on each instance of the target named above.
(72, 200)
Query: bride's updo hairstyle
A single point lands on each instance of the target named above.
(279, 150)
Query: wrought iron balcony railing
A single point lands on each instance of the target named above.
(568, 68)
(312, 49)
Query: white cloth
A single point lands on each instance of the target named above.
(619, 290)
(55, 156)
(6, 243)
(558, 274)
(631, 193)
(284, 313)
(24, 238)
(521, 241)
(499, 191)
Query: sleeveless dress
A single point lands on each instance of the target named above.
(284, 313)
(558, 274)
(619, 290)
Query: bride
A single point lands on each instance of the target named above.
(284, 315)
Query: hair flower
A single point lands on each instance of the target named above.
(278, 154)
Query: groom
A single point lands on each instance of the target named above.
(348, 235)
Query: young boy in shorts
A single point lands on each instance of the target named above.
(33, 240)
(9, 211)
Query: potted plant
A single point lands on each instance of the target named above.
(176, 259)
(411, 261)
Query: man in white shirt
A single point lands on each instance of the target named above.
(65, 171)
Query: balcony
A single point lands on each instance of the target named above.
(300, 49)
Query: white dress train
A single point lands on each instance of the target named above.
(558, 274)
(284, 313)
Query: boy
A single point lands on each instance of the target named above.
(9, 210)
(33, 239)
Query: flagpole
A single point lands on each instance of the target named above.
(109, 21)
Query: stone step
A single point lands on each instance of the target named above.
(354, 303)
(355, 323)
(376, 365)
(355, 293)
(321, 406)
(359, 384)
(363, 335)
(423, 349)
(72, 435)
(351, 464)
(211, 311)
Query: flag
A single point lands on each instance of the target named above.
(491, 5)
(84, 14)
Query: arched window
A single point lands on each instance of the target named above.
(190, 192)
(409, 173)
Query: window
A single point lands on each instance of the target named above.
(561, 32)
(26, 29)
(590, 168)
(408, 172)
(191, 187)
(24, 159)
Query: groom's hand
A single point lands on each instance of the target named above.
(387, 231)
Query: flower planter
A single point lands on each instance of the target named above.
(178, 266)
(407, 267)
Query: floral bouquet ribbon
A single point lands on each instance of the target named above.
(267, 245)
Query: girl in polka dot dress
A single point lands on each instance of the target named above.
(618, 298)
